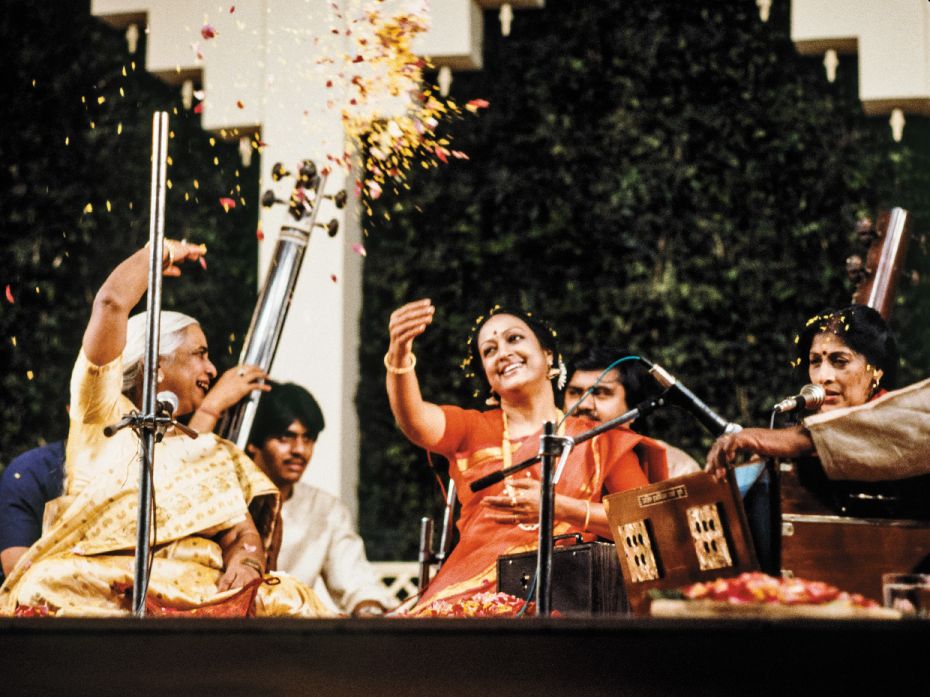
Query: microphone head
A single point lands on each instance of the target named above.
(813, 396)
(167, 399)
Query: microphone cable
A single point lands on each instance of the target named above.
(600, 377)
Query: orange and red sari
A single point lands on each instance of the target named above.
(614, 461)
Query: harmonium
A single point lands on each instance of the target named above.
(586, 577)
(850, 533)
(677, 532)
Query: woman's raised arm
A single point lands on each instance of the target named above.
(105, 336)
(422, 422)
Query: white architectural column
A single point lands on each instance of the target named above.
(892, 38)
(260, 73)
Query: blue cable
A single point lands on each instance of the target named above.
(597, 382)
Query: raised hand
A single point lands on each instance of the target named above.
(407, 323)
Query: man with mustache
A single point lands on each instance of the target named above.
(622, 388)
(318, 538)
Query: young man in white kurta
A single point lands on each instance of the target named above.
(319, 540)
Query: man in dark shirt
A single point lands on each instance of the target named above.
(28, 482)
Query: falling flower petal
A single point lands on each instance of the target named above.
(227, 203)
(203, 263)
(240, 104)
(359, 249)
(259, 233)
(476, 104)
(207, 31)
(9, 294)
(374, 188)
(198, 109)
(333, 278)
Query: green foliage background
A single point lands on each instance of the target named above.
(667, 176)
(57, 61)
(671, 177)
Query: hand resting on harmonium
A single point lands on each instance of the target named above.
(782, 443)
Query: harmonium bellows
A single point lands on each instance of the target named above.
(586, 578)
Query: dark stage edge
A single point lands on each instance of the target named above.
(598, 656)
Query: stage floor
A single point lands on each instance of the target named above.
(597, 656)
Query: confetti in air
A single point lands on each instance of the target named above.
(227, 203)
(390, 114)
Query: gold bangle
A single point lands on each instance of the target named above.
(399, 371)
(253, 563)
(587, 514)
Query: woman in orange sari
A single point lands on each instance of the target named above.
(515, 357)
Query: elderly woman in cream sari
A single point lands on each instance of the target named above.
(214, 511)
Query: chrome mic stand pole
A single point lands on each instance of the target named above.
(149, 381)
(549, 448)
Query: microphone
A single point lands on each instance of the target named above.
(686, 399)
(166, 403)
(810, 398)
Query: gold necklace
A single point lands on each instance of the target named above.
(507, 460)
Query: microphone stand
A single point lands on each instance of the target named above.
(150, 425)
(551, 446)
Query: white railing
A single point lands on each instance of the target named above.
(399, 577)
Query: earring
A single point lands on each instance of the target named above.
(561, 373)
(492, 400)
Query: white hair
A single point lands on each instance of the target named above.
(171, 336)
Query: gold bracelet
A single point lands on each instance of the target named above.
(587, 514)
(253, 563)
(399, 371)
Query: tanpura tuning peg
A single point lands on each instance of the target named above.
(339, 198)
(269, 199)
(332, 227)
(278, 172)
(307, 172)
(855, 269)
(865, 230)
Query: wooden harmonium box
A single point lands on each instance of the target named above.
(586, 579)
(850, 533)
(678, 532)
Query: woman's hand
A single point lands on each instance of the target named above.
(238, 573)
(226, 392)
(243, 555)
(518, 504)
(422, 422)
(177, 251)
(407, 323)
(780, 443)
